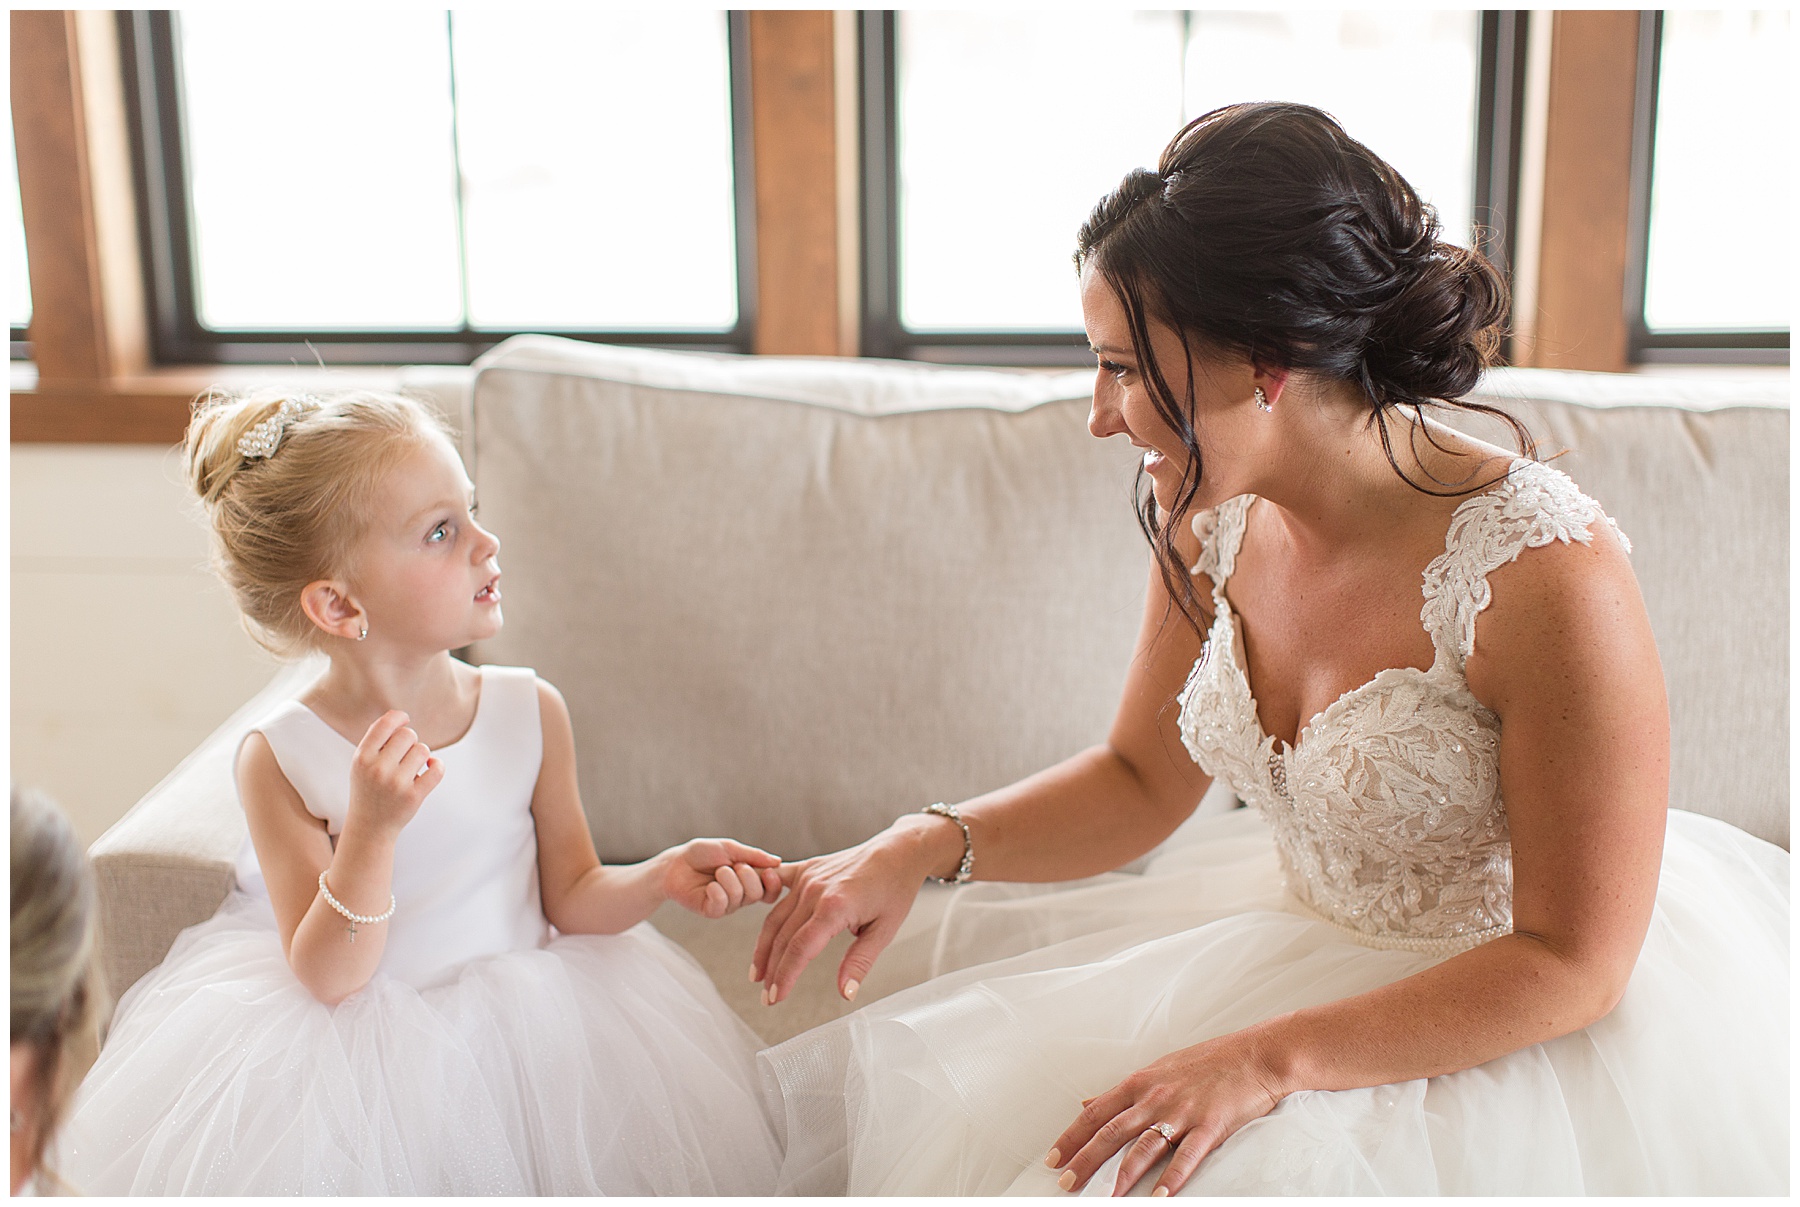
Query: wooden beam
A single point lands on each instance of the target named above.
(794, 106)
(50, 133)
(101, 413)
(1579, 312)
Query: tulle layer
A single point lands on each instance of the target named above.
(599, 1064)
(960, 1085)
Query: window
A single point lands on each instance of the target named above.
(1709, 275)
(989, 135)
(410, 185)
(18, 284)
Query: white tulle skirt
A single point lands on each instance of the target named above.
(959, 1085)
(597, 1064)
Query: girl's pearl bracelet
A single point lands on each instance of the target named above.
(354, 919)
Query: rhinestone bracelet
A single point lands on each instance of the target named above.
(354, 919)
(965, 871)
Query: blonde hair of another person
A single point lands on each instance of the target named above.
(55, 979)
(293, 514)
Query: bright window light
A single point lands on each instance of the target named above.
(1719, 202)
(596, 161)
(18, 283)
(413, 170)
(1011, 125)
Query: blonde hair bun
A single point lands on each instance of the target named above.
(287, 501)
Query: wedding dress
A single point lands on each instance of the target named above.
(485, 1056)
(1378, 845)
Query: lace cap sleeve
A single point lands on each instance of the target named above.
(1535, 505)
(1220, 530)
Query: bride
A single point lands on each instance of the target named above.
(1461, 944)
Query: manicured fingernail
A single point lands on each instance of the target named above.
(850, 988)
(755, 974)
(765, 997)
(1067, 1181)
(1161, 1192)
(1053, 1158)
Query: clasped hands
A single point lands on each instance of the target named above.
(1204, 1093)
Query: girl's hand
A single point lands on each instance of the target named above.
(1204, 1093)
(391, 775)
(715, 876)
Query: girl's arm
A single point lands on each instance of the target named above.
(1567, 660)
(1089, 813)
(711, 876)
(391, 775)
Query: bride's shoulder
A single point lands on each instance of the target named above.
(1559, 591)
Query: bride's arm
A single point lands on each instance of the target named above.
(1566, 658)
(1089, 813)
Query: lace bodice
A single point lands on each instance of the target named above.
(1386, 812)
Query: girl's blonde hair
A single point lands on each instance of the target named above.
(287, 481)
(55, 980)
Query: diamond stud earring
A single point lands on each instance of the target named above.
(1262, 400)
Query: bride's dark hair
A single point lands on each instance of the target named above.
(1268, 232)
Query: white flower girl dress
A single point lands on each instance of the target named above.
(1378, 846)
(484, 1057)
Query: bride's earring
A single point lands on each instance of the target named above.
(1262, 400)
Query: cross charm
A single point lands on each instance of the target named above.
(352, 929)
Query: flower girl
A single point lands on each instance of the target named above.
(382, 1005)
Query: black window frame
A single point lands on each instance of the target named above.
(1499, 121)
(149, 48)
(1764, 346)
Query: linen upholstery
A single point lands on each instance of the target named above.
(789, 599)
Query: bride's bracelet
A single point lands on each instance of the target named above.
(360, 919)
(965, 871)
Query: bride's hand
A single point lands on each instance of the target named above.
(1204, 1093)
(866, 889)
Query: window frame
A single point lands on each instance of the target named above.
(149, 50)
(1499, 121)
(1755, 346)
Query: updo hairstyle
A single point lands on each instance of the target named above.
(292, 517)
(1269, 233)
(55, 980)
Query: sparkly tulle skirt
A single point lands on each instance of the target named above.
(596, 1064)
(1050, 994)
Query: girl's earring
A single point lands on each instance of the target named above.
(1262, 400)
(364, 633)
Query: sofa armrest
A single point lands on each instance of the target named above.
(168, 863)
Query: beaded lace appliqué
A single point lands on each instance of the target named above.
(1386, 813)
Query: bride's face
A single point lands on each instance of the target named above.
(1225, 416)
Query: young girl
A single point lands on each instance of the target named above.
(382, 1007)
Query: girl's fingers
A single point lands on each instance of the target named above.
(431, 777)
(750, 880)
(714, 904)
(412, 763)
(756, 857)
(771, 881)
(381, 731)
(726, 879)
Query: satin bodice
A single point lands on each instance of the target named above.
(465, 866)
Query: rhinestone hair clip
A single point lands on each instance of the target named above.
(263, 439)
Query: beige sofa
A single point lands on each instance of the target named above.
(789, 599)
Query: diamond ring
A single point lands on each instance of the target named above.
(1165, 1130)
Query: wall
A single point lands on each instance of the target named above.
(125, 650)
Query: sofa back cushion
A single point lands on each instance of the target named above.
(790, 599)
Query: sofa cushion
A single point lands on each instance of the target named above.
(787, 604)
(789, 599)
